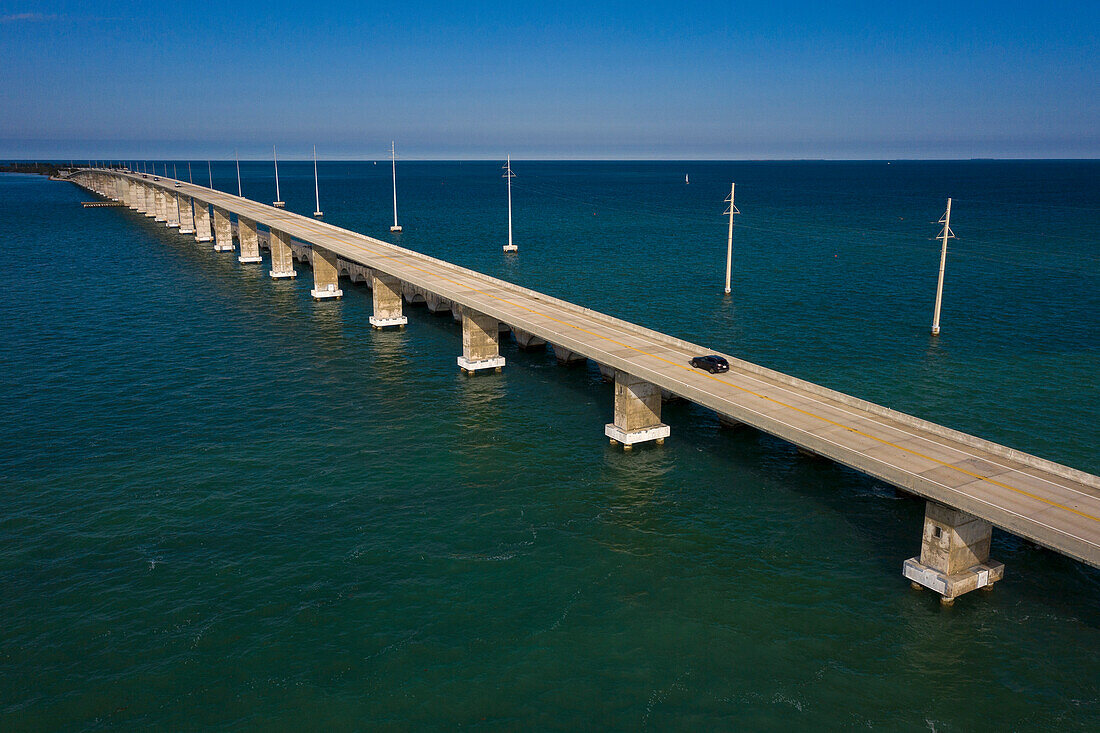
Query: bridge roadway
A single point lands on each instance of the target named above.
(1052, 505)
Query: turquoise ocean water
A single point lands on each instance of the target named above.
(227, 506)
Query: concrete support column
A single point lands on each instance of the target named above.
(150, 202)
(326, 278)
(527, 341)
(223, 231)
(187, 216)
(250, 243)
(282, 259)
(637, 413)
(202, 221)
(161, 199)
(387, 301)
(954, 555)
(566, 357)
(480, 343)
(172, 209)
(135, 201)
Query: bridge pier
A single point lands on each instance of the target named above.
(249, 241)
(954, 555)
(282, 259)
(172, 209)
(437, 305)
(202, 221)
(137, 197)
(480, 343)
(187, 215)
(223, 231)
(637, 413)
(527, 341)
(386, 290)
(566, 357)
(161, 199)
(149, 196)
(326, 278)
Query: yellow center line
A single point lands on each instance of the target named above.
(310, 226)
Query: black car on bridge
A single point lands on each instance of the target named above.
(713, 363)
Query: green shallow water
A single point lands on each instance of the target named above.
(227, 506)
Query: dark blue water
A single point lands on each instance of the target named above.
(226, 505)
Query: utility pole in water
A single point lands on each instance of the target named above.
(729, 239)
(316, 187)
(238, 159)
(278, 204)
(944, 235)
(509, 175)
(393, 159)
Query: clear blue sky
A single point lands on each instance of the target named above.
(550, 80)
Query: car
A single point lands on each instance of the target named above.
(712, 363)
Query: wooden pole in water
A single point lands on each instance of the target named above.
(944, 235)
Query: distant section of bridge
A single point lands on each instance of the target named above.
(971, 484)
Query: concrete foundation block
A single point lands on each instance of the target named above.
(952, 586)
(326, 294)
(495, 363)
(388, 322)
(657, 432)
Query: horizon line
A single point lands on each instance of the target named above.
(75, 160)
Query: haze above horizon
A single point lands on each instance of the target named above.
(722, 81)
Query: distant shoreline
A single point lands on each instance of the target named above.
(13, 165)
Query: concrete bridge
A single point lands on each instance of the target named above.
(971, 484)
